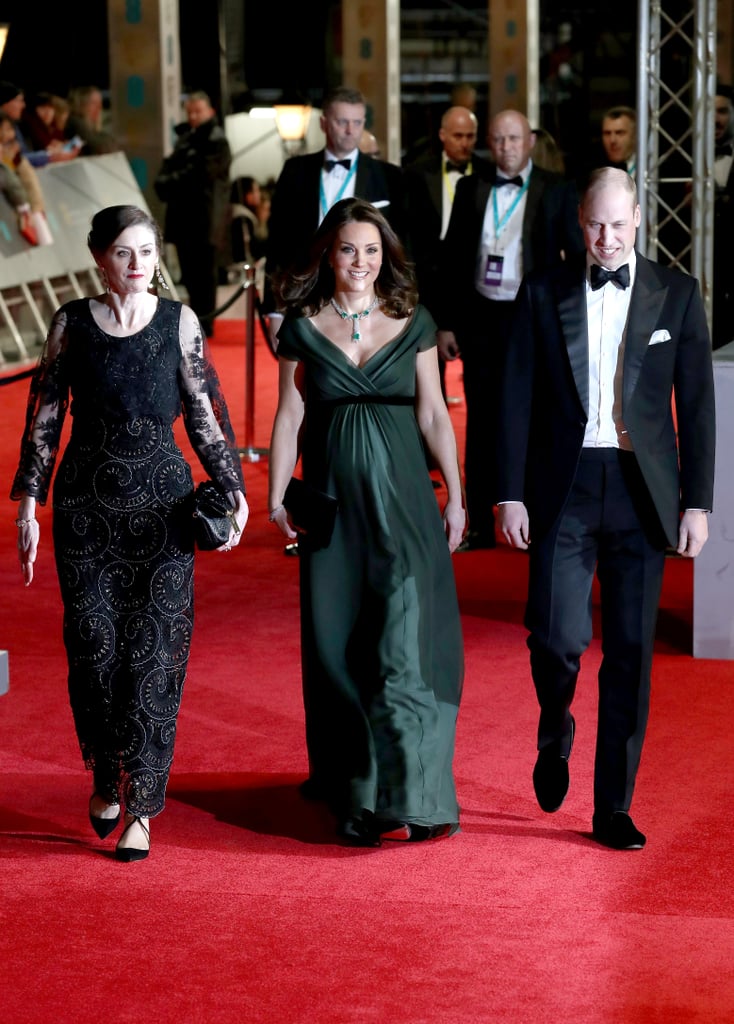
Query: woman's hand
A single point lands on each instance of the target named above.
(454, 523)
(29, 533)
(279, 516)
(239, 516)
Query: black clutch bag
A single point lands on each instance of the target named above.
(213, 516)
(312, 511)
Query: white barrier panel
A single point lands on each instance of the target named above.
(713, 570)
(73, 192)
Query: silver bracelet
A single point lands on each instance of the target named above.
(273, 513)
(25, 522)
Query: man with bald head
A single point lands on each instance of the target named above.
(515, 219)
(430, 186)
(596, 477)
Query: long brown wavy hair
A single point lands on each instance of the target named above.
(307, 289)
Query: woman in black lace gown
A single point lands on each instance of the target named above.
(122, 523)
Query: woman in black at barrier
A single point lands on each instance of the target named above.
(382, 651)
(131, 363)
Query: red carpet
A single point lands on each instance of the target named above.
(248, 911)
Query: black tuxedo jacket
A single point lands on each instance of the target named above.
(424, 218)
(545, 400)
(294, 214)
(550, 227)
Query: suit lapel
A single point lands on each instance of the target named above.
(434, 181)
(571, 304)
(482, 190)
(532, 202)
(646, 301)
(363, 179)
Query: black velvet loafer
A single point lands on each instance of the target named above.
(550, 775)
(617, 831)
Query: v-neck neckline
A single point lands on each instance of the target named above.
(377, 352)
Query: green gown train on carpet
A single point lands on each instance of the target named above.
(382, 651)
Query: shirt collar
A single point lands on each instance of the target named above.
(328, 155)
(524, 173)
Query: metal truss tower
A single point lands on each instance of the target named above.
(676, 84)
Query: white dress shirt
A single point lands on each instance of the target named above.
(722, 169)
(507, 244)
(333, 181)
(606, 314)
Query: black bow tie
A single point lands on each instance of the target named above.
(329, 165)
(461, 168)
(723, 149)
(600, 276)
(517, 180)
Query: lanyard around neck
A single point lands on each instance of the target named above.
(322, 192)
(499, 226)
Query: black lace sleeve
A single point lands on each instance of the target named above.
(47, 403)
(204, 408)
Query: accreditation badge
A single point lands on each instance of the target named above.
(493, 273)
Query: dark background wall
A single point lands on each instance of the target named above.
(54, 46)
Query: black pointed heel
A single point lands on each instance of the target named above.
(128, 854)
(102, 826)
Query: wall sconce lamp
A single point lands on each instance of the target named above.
(291, 120)
(4, 29)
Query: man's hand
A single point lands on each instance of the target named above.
(448, 346)
(514, 524)
(693, 532)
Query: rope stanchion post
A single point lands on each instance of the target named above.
(249, 452)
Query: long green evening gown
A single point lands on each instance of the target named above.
(382, 648)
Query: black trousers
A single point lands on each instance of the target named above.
(199, 273)
(607, 526)
(483, 344)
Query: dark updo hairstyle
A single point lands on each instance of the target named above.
(306, 289)
(108, 224)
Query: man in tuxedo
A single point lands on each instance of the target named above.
(619, 138)
(308, 186)
(615, 148)
(430, 186)
(596, 475)
(516, 218)
(723, 290)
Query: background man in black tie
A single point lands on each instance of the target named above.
(309, 185)
(618, 137)
(591, 474)
(430, 186)
(723, 290)
(496, 232)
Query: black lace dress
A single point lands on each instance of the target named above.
(122, 527)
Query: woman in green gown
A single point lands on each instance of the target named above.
(382, 654)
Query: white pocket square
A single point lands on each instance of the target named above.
(659, 336)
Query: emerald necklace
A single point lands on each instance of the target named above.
(355, 317)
